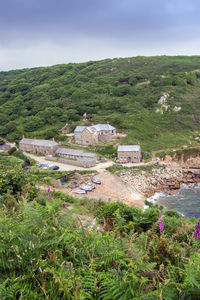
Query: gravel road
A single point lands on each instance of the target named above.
(64, 167)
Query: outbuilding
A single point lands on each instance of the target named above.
(129, 153)
(76, 154)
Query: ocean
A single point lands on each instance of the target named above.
(186, 202)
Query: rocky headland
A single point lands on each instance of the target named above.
(165, 176)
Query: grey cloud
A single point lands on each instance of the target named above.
(88, 29)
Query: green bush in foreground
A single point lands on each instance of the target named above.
(47, 253)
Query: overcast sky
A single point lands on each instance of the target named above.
(47, 32)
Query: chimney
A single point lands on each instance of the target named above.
(108, 122)
(92, 124)
(53, 139)
(23, 136)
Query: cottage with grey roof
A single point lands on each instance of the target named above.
(129, 153)
(37, 146)
(91, 135)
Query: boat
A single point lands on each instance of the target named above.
(85, 187)
(79, 191)
(95, 180)
(88, 186)
(91, 185)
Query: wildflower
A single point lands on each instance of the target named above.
(48, 190)
(160, 222)
(196, 233)
(52, 195)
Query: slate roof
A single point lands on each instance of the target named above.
(100, 127)
(79, 128)
(5, 146)
(69, 151)
(128, 148)
(94, 128)
(35, 142)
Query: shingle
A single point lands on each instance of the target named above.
(128, 148)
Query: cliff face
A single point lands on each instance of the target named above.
(168, 178)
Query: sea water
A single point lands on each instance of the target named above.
(186, 202)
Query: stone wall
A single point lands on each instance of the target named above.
(89, 138)
(38, 149)
(129, 156)
(105, 137)
(78, 163)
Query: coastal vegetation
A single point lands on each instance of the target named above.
(125, 91)
(48, 252)
(183, 154)
(56, 246)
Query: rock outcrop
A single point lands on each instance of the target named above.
(165, 178)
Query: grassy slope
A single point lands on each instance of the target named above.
(124, 91)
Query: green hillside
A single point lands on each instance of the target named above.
(125, 91)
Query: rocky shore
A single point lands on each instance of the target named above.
(165, 176)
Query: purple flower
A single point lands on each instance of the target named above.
(48, 190)
(196, 233)
(161, 224)
(52, 195)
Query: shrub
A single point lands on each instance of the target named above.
(12, 150)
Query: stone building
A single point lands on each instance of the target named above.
(129, 153)
(78, 134)
(36, 146)
(5, 147)
(75, 154)
(91, 135)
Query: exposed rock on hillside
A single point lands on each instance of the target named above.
(163, 99)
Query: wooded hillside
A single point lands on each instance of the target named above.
(125, 91)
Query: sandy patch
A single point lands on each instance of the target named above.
(113, 188)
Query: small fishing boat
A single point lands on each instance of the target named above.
(88, 186)
(79, 191)
(95, 180)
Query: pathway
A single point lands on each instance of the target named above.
(64, 167)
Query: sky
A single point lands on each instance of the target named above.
(46, 32)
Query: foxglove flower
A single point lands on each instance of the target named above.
(160, 222)
(196, 233)
(52, 195)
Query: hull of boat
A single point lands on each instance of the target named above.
(97, 181)
(79, 191)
